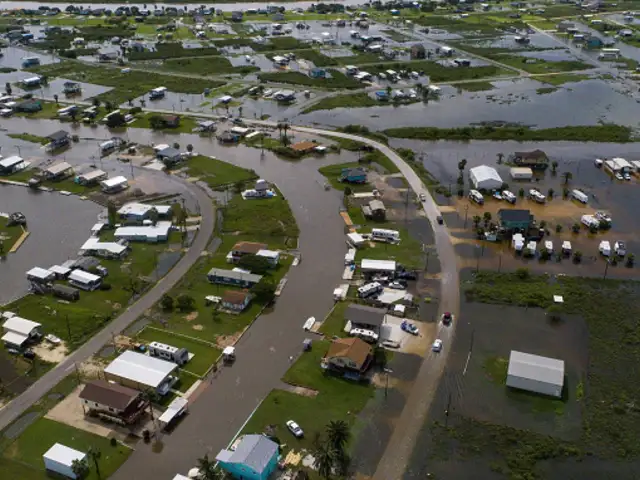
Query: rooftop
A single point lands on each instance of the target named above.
(58, 168)
(254, 451)
(64, 455)
(235, 297)
(514, 215)
(365, 315)
(20, 325)
(234, 274)
(249, 247)
(535, 367)
(114, 181)
(57, 136)
(378, 265)
(353, 348)
(303, 146)
(109, 394)
(141, 368)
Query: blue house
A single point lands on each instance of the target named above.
(594, 42)
(254, 458)
(382, 96)
(234, 277)
(318, 73)
(353, 175)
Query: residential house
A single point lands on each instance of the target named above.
(254, 457)
(171, 121)
(28, 106)
(364, 316)
(272, 256)
(91, 178)
(31, 82)
(536, 159)
(11, 165)
(350, 356)
(514, 220)
(145, 233)
(318, 73)
(303, 147)
(353, 175)
(114, 185)
(139, 371)
(236, 278)
(58, 172)
(565, 26)
(169, 156)
(235, 300)
(136, 213)
(228, 137)
(112, 402)
(241, 249)
(59, 139)
(375, 210)
(418, 52)
(19, 332)
(236, 16)
(71, 88)
(93, 246)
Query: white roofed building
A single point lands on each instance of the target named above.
(40, 275)
(373, 266)
(139, 212)
(484, 177)
(59, 460)
(93, 246)
(115, 184)
(145, 233)
(536, 374)
(139, 371)
(19, 331)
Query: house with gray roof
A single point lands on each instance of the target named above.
(252, 457)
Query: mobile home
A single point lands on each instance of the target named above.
(84, 280)
(384, 235)
(590, 221)
(605, 248)
(168, 352)
(580, 196)
(609, 53)
(115, 184)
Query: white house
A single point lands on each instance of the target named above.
(145, 233)
(535, 373)
(91, 177)
(377, 266)
(84, 280)
(59, 459)
(618, 165)
(271, 255)
(139, 371)
(521, 173)
(40, 275)
(139, 212)
(93, 246)
(18, 331)
(485, 177)
(115, 184)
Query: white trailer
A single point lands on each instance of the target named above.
(590, 221)
(605, 248)
(580, 196)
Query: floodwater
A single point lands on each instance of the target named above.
(589, 102)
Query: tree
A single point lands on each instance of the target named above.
(215, 315)
(487, 218)
(551, 192)
(115, 120)
(240, 111)
(55, 99)
(166, 302)
(558, 228)
(554, 167)
(80, 468)
(179, 215)
(130, 102)
(577, 256)
(7, 88)
(73, 114)
(94, 454)
(134, 284)
(112, 213)
(264, 291)
(521, 193)
(631, 258)
(255, 264)
(185, 302)
(156, 122)
(567, 176)
(190, 149)
(108, 106)
(96, 102)
(323, 458)
(176, 145)
(153, 216)
(207, 469)
(575, 228)
(476, 221)
(500, 157)
(338, 435)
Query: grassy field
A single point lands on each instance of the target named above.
(357, 100)
(475, 86)
(334, 324)
(333, 172)
(187, 124)
(8, 235)
(587, 133)
(49, 111)
(204, 354)
(77, 321)
(206, 66)
(337, 80)
(440, 73)
(217, 173)
(338, 399)
(609, 421)
(126, 86)
(541, 66)
(23, 457)
(260, 218)
(29, 137)
(561, 79)
(408, 252)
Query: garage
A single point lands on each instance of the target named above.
(485, 178)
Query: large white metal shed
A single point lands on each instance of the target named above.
(521, 173)
(140, 369)
(485, 177)
(535, 373)
(368, 265)
(59, 459)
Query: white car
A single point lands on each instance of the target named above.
(295, 429)
(627, 176)
(619, 176)
(423, 197)
(52, 339)
(437, 346)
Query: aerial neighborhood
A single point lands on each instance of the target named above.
(303, 241)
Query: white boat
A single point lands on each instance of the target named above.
(548, 245)
(598, 162)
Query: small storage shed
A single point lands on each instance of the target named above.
(485, 177)
(521, 173)
(535, 373)
(59, 459)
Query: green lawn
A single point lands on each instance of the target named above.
(475, 86)
(94, 309)
(356, 100)
(204, 354)
(335, 321)
(49, 111)
(333, 172)
(338, 399)
(541, 66)
(217, 173)
(207, 66)
(29, 137)
(22, 459)
(8, 235)
(408, 252)
(185, 381)
(262, 218)
(187, 124)
(561, 79)
(337, 80)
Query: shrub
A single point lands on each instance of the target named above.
(166, 302)
(105, 286)
(185, 302)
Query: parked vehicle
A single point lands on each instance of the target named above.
(548, 246)
(619, 176)
(447, 318)
(580, 196)
(620, 248)
(598, 162)
(295, 429)
(509, 196)
(476, 196)
(52, 339)
(603, 217)
(440, 219)
(423, 197)
(409, 328)
(627, 176)
(566, 247)
(29, 354)
(390, 344)
(437, 346)
(398, 285)
(590, 221)
(407, 275)
(367, 335)
(536, 196)
(369, 290)
(605, 248)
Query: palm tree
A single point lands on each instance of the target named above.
(80, 468)
(207, 470)
(94, 454)
(240, 111)
(461, 164)
(476, 221)
(190, 148)
(487, 218)
(554, 167)
(338, 434)
(500, 157)
(7, 88)
(323, 459)
(567, 176)
(521, 193)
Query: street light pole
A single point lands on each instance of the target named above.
(387, 371)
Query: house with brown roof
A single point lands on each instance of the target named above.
(236, 300)
(535, 159)
(241, 249)
(112, 402)
(303, 147)
(351, 356)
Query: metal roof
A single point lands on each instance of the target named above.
(113, 182)
(174, 408)
(58, 168)
(483, 173)
(59, 135)
(365, 315)
(20, 325)
(160, 229)
(232, 274)
(14, 338)
(92, 175)
(94, 243)
(254, 451)
(378, 265)
(39, 272)
(535, 367)
(64, 455)
(10, 161)
(83, 277)
(141, 368)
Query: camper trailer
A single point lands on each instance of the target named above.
(580, 196)
(168, 352)
(384, 235)
(158, 92)
(84, 280)
(620, 249)
(536, 196)
(566, 247)
(369, 290)
(590, 221)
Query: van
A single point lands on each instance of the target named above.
(536, 196)
(476, 196)
(107, 146)
(580, 196)
(509, 196)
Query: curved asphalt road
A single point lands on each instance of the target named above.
(400, 447)
(21, 403)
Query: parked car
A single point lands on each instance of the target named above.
(52, 339)
(423, 197)
(627, 176)
(619, 176)
(30, 354)
(437, 346)
(409, 328)
(398, 285)
(366, 335)
(447, 318)
(390, 344)
(295, 429)
(406, 275)
(13, 351)
(440, 219)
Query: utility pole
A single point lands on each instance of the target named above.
(446, 412)
(387, 371)
(466, 212)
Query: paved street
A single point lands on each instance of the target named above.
(21, 403)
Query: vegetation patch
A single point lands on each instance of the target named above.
(537, 65)
(29, 137)
(440, 73)
(475, 86)
(546, 90)
(586, 133)
(357, 100)
(9, 235)
(208, 66)
(217, 173)
(173, 50)
(337, 79)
